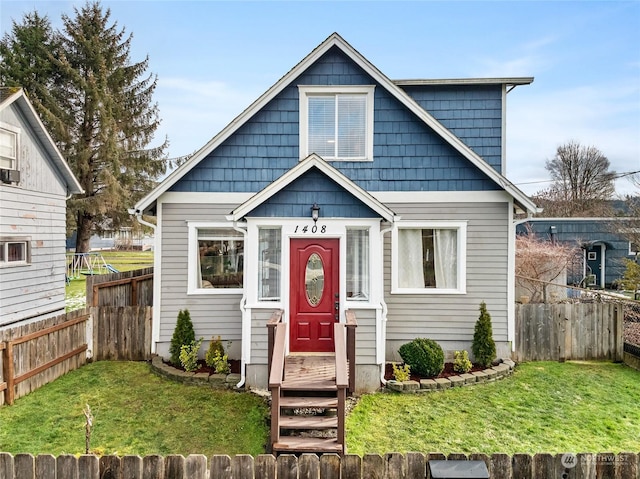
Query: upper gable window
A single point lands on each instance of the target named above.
(8, 147)
(336, 123)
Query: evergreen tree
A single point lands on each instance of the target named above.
(111, 120)
(27, 62)
(483, 346)
(183, 335)
(98, 107)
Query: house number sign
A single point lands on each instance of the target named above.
(313, 229)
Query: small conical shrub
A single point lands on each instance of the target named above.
(183, 335)
(483, 346)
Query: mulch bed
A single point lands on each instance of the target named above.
(446, 372)
(203, 368)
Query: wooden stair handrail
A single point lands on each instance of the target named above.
(351, 326)
(277, 360)
(342, 378)
(276, 318)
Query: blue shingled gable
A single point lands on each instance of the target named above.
(296, 198)
(408, 155)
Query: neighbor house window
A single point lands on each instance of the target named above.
(336, 122)
(15, 251)
(269, 263)
(8, 148)
(217, 261)
(358, 264)
(429, 258)
(634, 248)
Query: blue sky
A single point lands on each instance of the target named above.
(214, 58)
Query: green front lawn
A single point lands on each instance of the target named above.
(135, 412)
(544, 407)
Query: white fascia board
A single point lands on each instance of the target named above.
(466, 81)
(297, 171)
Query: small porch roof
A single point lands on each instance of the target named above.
(312, 161)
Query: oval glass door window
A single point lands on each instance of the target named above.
(314, 279)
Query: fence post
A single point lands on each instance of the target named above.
(89, 333)
(8, 373)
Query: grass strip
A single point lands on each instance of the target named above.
(135, 412)
(544, 407)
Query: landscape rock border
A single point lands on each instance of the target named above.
(499, 371)
(216, 381)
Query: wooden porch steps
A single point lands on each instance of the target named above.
(295, 444)
(288, 402)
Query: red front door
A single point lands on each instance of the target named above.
(314, 294)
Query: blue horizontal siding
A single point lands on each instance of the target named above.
(296, 198)
(408, 155)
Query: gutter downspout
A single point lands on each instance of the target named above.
(245, 355)
(383, 319)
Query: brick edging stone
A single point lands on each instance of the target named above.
(501, 370)
(216, 381)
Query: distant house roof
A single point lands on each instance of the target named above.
(9, 96)
(335, 40)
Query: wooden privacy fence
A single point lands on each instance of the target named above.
(121, 333)
(563, 331)
(35, 354)
(310, 466)
(129, 288)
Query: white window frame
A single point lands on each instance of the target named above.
(4, 244)
(15, 131)
(306, 91)
(460, 226)
(192, 255)
(366, 298)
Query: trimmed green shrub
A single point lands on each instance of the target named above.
(424, 356)
(183, 335)
(461, 363)
(483, 346)
(189, 355)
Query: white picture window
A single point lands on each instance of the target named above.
(358, 283)
(15, 251)
(216, 259)
(429, 258)
(336, 122)
(8, 147)
(269, 263)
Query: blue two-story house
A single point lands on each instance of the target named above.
(340, 190)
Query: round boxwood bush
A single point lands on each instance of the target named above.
(425, 357)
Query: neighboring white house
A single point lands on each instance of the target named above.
(35, 182)
(340, 189)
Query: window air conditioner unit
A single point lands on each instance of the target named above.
(9, 176)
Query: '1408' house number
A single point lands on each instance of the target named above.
(311, 229)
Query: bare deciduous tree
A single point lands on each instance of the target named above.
(582, 182)
(538, 262)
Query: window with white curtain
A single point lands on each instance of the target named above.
(358, 288)
(429, 258)
(269, 263)
(8, 147)
(336, 122)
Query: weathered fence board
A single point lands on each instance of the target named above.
(122, 333)
(563, 331)
(128, 288)
(309, 466)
